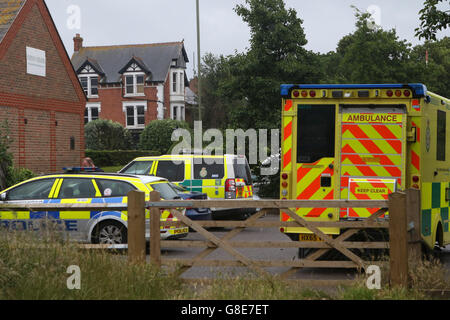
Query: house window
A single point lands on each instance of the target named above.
(134, 84)
(90, 85)
(91, 113)
(174, 82)
(135, 115)
(175, 113)
(181, 83)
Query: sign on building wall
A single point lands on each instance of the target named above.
(36, 62)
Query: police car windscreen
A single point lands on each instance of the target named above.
(166, 191)
(315, 132)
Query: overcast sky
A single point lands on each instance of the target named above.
(111, 22)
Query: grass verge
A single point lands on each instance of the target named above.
(36, 269)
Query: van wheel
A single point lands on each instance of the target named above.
(110, 232)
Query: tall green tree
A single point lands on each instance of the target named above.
(371, 54)
(276, 55)
(434, 72)
(432, 19)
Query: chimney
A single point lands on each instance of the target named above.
(77, 43)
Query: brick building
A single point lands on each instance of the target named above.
(132, 84)
(40, 95)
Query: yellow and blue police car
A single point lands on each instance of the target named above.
(77, 187)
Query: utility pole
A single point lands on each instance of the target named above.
(199, 96)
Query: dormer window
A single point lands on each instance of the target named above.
(134, 79)
(134, 84)
(89, 81)
(90, 85)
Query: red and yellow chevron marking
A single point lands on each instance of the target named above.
(308, 185)
(287, 138)
(415, 148)
(368, 189)
(370, 150)
(243, 192)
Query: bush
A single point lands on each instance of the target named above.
(105, 134)
(108, 158)
(158, 133)
(17, 175)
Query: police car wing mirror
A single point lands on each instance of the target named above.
(3, 196)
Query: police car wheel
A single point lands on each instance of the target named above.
(110, 232)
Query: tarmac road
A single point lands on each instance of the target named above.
(263, 234)
(253, 234)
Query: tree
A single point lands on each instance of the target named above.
(103, 134)
(434, 72)
(276, 55)
(158, 133)
(432, 20)
(371, 55)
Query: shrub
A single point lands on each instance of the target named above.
(105, 134)
(158, 133)
(16, 175)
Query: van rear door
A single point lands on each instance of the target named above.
(372, 159)
(243, 177)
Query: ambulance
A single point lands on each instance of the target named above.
(365, 141)
(221, 177)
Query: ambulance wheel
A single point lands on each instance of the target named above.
(110, 232)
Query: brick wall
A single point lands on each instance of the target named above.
(111, 100)
(13, 67)
(42, 112)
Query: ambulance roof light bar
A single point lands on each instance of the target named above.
(418, 89)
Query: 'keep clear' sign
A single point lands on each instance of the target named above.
(36, 62)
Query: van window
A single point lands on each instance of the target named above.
(138, 167)
(242, 171)
(315, 133)
(171, 170)
(440, 146)
(208, 169)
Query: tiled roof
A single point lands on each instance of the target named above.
(156, 57)
(9, 9)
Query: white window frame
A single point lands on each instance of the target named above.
(181, 82)
(90, 106)
(135, 105)
(181, 112)
(134, 75)
(89, 87)
(174, 83)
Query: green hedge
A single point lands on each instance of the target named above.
(107, 158)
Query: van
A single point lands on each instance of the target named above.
(220, 177)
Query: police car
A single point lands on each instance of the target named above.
(79, 186)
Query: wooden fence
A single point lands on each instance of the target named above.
(403, 225)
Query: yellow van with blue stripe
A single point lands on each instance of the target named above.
(220, 177)
(97, 226)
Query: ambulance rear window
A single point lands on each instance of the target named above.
(242, 171)
(315, 132)
(208, 168)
